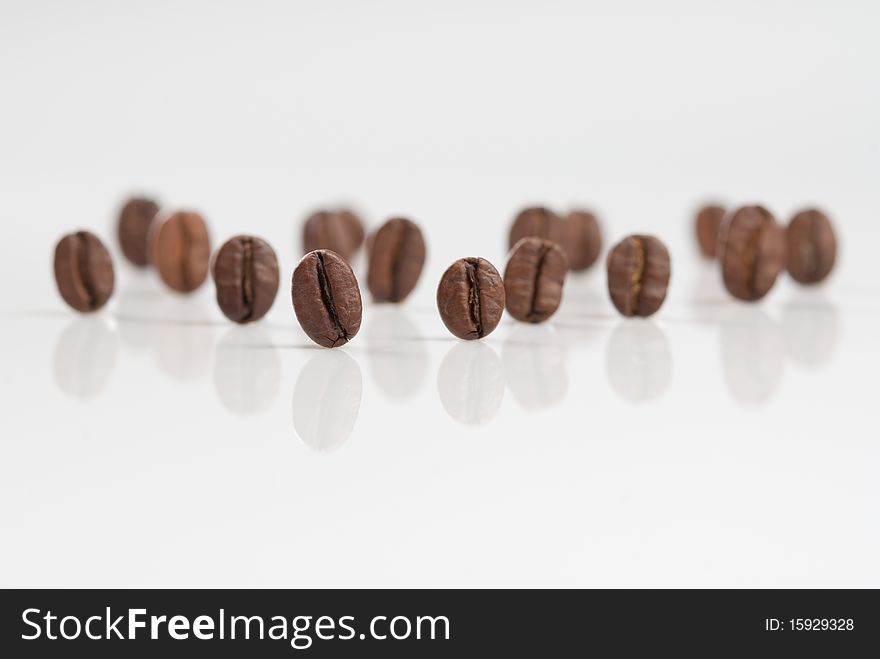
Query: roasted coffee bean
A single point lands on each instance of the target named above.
(584, 239)
(811, 246)
(181, 250)
(83, 271)
(326, 298)
(340, 231)
(638, 275)
(245, 272)
(707, 224)
(470, 298)
(538, 222)
(397, 254)
(133, 229)
(751, 250)
(533, 279)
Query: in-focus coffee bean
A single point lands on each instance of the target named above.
(533, 279)
(538, 222)
(396, 257)
(751, 250)
(470, 298)
(245, 271)
(638, 275)
(181, 250)
(83, 271)
(707, 224)
(133, 229)
(811, 246)
(583, 243)
(340, 231)
(326, 298)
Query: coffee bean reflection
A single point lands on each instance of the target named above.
(397, 354)
(326, 400)
(85, 355)
(812, 329)
(638, 361)
(534, 362)
(752, 354)
(247, 370)
(471, 383)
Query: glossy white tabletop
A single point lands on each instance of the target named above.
(715, 444)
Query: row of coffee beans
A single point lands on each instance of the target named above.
(753, 248)
(471, 296)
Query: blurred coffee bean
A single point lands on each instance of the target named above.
(533, 279)
(538, 222)
(751, 250)
(181, 250)
(811, 246)
(707, 224)
(245, 272)
(83, 271)
(340, 231)
(396, 257)
(326, 298)
(638, 275)
(133, 229)
(470, 298)
(583, 243)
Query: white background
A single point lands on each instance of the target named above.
(717, 444)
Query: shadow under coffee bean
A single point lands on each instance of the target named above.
(470, 298)
(326, 298)
(83, 271)
(245, 272)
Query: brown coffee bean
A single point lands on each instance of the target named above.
(538, 222)
(181, 250)
(83, 271)
(133, 229)
(245, 272)
(397, 254)
(533, 279)
(638, 275)
(326, 298)
(470, 298)
(583, 243)
(340, 231)
(707, 224)
(811, 246)
(751, 250)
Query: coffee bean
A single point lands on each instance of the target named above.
(470, 298)
(245, 272)
(707, 224)
(397, 254)
(584, 239)
(751, 250)
(83, 271)
(638, 275)
(133, 229)
(181, 250)
(340, 231)
(326, 298)
(812, 246)
(538, 222)
(533, 279)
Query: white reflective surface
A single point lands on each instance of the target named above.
(715, 444)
